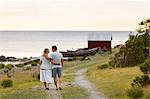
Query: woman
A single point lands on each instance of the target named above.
(45, 70)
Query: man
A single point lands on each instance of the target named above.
(56, 59)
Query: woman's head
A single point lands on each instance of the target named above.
(46, 50)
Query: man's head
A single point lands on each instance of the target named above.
(54, 48)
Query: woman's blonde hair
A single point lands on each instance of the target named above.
(46, 49)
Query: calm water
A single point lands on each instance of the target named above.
(32, 43)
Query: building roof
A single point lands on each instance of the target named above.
(99, 37)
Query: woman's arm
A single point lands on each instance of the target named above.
(40, 62)
(50, 59)
(46, 56)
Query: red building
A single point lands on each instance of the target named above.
(102, 40)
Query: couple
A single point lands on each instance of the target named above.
(51, 68)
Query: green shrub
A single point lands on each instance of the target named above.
(103, 66)
(33, 63)
(7, 83)
(2, 66)
(19, 65)
(135, 92)
(145, 67)
(144, 80)
(9, 66)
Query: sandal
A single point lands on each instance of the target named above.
(60, 88)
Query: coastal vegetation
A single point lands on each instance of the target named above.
(2, 66)
(7, 83)
(103, 66)
(34, 63)
(137, 48)
(112, 82)
(19, 65)
(9, 66)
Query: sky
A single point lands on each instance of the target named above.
(72, 14)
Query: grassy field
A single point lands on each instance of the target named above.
(114, 82)
(23, 82)
(26, 94)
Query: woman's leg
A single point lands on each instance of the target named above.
(45, 85)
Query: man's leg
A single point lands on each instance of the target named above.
(59, 77)
(54, 71)
(60, 81)
(55, 81)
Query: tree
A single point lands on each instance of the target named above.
(136, 49)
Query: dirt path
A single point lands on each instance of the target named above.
(52, 93)
(83, 83)
(79, 81)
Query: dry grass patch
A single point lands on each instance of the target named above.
(113, 82)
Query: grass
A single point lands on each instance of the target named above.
(114, 82)
(22, 81)
(68, 77)
(69, 74)
(71, 67)
(73, 92)
(26, 94)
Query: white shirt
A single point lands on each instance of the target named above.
(45, 63)
(56, 57)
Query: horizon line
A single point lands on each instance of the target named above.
(60, 30)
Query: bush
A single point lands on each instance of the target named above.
(103, 66)
(7, 83)
(9, 66)
(135, 92)
(2, 66)
(144, 80)
(33, 63)
(145, 67)
(19, 65)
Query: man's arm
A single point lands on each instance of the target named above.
(62, 62)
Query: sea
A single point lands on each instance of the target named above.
(32, 43)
